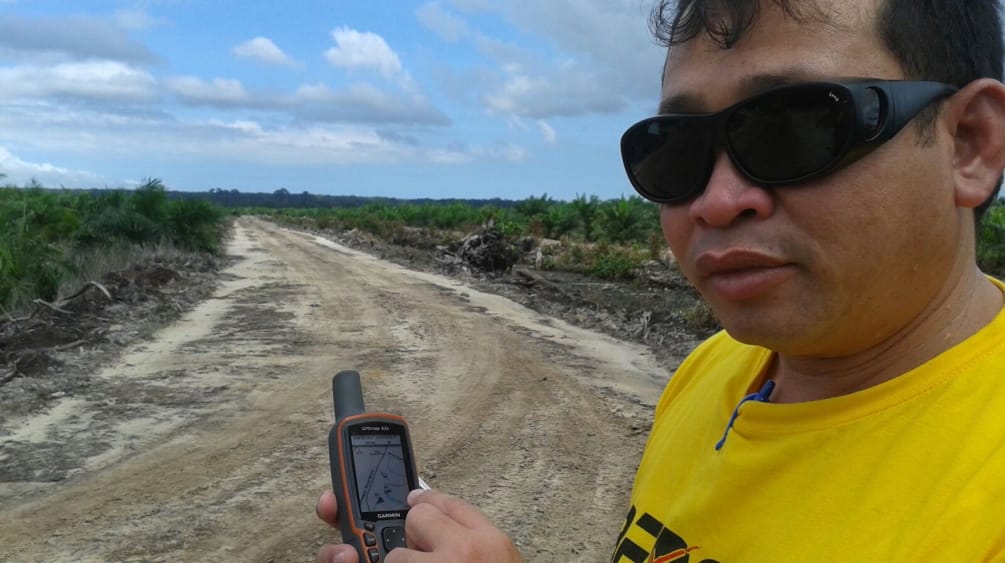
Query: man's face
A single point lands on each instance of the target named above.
(834, 266)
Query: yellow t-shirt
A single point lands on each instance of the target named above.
(911, 470)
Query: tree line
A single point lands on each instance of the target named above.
(42, 230)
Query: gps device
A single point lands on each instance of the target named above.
(373, 470)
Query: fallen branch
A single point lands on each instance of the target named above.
(62, 347)
(7, 376)
(534, 279)
(51, 306)
(16, 320)
(80, 291)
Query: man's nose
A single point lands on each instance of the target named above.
(730, 197)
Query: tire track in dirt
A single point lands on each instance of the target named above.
(215, 431)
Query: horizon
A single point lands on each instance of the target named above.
(459, 99)
(33, 184)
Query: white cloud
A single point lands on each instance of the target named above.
(262, 49)
(219, 91)
(509, 56)
(547, 131)
(506, 101)
(549, 89)
(535, 84)
(633, 61)
(135, 20)
(515, 122)
(313, 93)
(19, 171)
(363, 50)
(568, 69)
(70, 38)
(318, 144)
(448, 26)
(128, 146)
(104, 85)
(363, 103)
(314, 144)
(246, 126)
(108, 80)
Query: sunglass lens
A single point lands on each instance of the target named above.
(787, 135)
(667, 158)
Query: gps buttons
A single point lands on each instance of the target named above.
(394, 536)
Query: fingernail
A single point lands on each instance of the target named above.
(340, 558)
(413, 495)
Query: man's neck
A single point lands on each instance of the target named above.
(961, 312)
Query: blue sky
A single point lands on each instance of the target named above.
(451, 98)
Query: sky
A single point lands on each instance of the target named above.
(391, 98)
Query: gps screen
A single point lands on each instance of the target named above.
(381, 481)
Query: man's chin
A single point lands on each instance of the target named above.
(779, 334)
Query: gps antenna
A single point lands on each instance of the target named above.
(348, 394)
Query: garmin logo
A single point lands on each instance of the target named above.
(389, 515)
(380, 428)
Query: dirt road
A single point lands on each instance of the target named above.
(208, 443)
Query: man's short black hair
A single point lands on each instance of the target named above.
(951, 41)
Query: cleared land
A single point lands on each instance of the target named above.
(207, 442)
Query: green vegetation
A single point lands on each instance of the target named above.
(52, 238)
(607, 239)
(44, 233)
(991, 240)
(614, 265)
(626, 220)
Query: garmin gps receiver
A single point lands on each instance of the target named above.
(373, 470)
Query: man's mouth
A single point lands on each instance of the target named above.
(737, 275)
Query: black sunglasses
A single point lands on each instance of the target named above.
(787, 135)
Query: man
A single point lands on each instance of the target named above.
(854, 407)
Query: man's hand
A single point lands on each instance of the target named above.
(439, 528)
(327, 510)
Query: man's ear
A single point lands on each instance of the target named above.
(977, 120)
